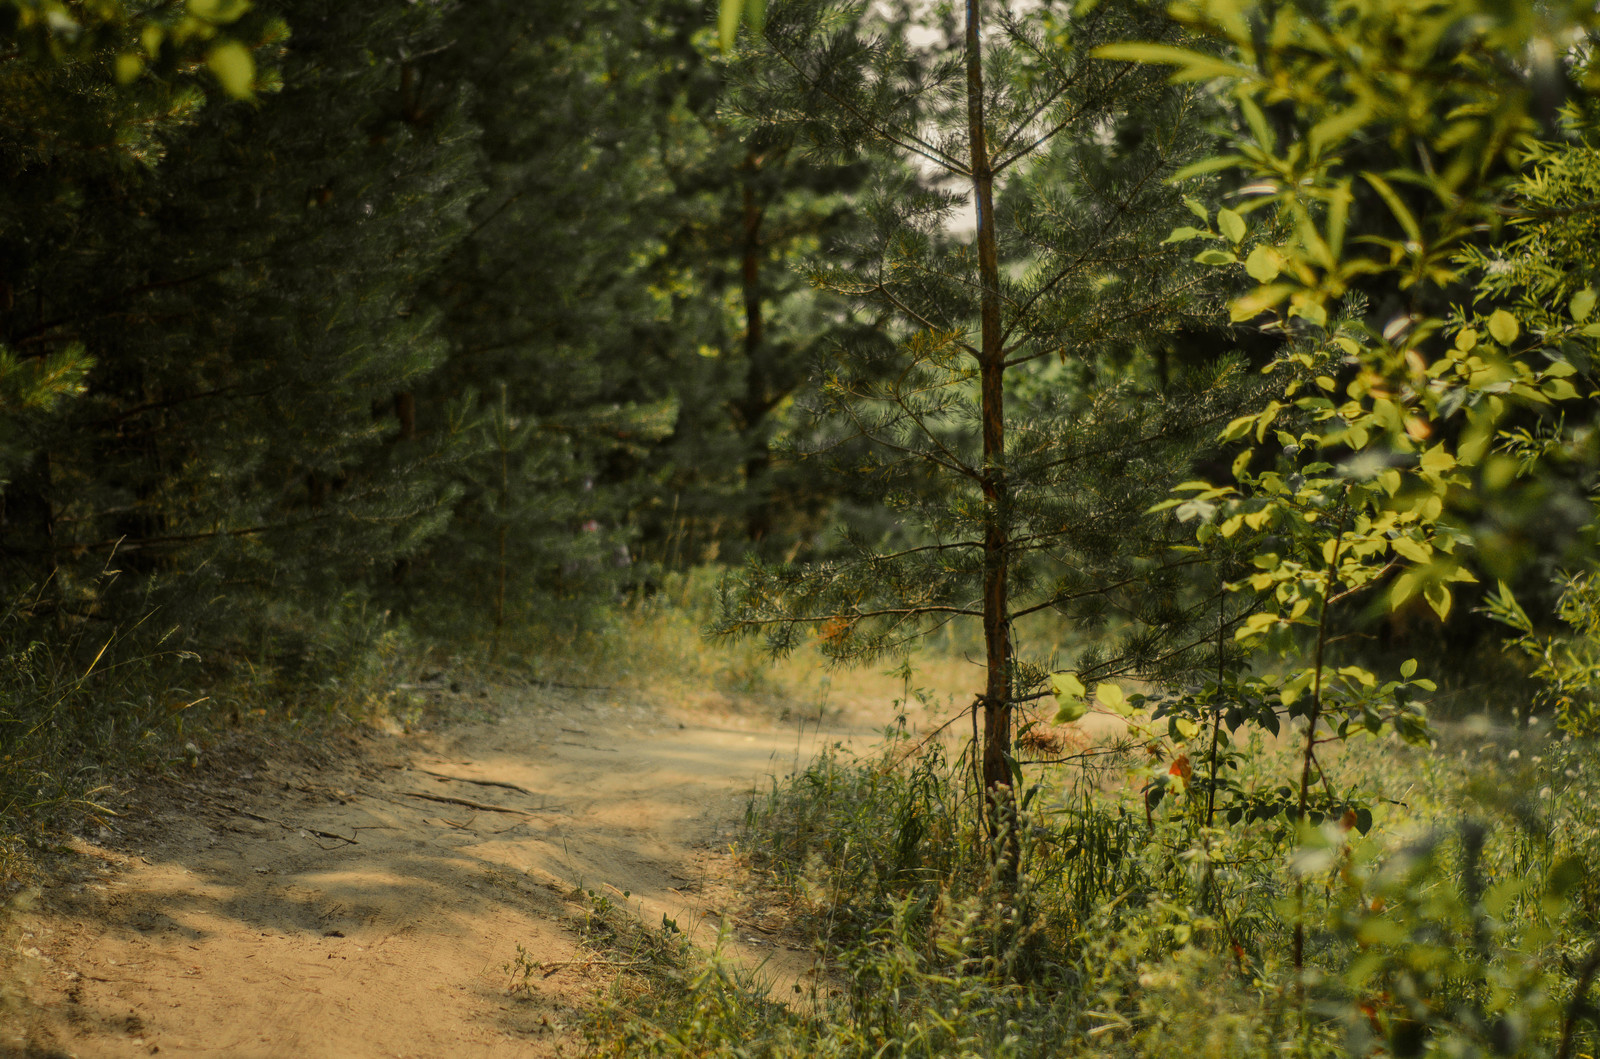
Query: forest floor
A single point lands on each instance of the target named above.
(365, 896)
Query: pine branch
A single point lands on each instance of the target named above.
(909, 142)
(1061, 274)
(1055, 129)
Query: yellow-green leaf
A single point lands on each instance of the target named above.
(234, 68)
(1437, 461)
(1187, 729)
(1193, 65)
(1416, 551)
(1263, 264)
(1232, 225)
(1237, 429)
(1183, 234)
(1559, 390)
(1112, 697)
(1582, 304)
(1309, 309)
(1258, 301)
(1405, 586)
(1396, 206)
(1069, 692)
(1337, 127)
(1504, 327)
(728, 22)
(1264, 420)
(1438, 598)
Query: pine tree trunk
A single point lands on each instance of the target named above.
(996, 490)
(758, 520)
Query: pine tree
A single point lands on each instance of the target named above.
(88, 97)
(621, 310)
(741, 204)
(252, 309)
(1021, 376)
(548, 308)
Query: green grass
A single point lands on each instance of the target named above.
(1458, 926)
(89, 711)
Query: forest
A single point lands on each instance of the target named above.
(1213, 387)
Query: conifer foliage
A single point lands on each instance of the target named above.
(1018, 464)
(250, 305)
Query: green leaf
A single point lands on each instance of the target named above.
(1206, 165)
(1582, 304)
(1257, 120)
(1408, 667)
(1504, 327)
(1184, 234)
(1338, 216)
(728, 22)
(1438, 597)
(1216, 257)
(1559, 390)
(1111, 696)
(1407, 221)
(1258, 301)
(234, 68)
(1337, 127)
(1437, 461)
(1232, 225)
(1263, 264)
(1193, 65)
(1405, 586)
(1069, 693)
(1413, 550)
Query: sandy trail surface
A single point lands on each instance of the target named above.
(366, 899)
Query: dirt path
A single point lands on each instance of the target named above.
(367, 904)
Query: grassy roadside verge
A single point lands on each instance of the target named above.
(1464, 923)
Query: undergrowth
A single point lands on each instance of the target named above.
(87, 711)
(1462, 924)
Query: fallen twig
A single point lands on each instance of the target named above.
(470, 804)
(467, 779)
(287, 827)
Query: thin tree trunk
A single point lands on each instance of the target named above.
(758, 520)
(996, 491)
